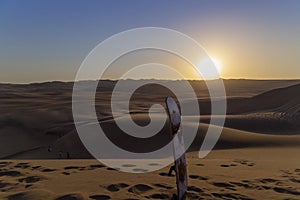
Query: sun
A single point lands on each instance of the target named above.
(217, 64)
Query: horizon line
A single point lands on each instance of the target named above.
(130, 79)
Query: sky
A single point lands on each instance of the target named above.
(48, 40)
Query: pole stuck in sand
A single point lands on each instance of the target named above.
(178, 148)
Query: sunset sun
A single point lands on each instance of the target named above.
(217, 63)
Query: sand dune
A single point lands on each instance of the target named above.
(40, 115)
(256, 155)
(273, 112)
(269, 100)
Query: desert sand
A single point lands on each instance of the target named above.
(252, 173)
(256, 157)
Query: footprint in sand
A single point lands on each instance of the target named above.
(229, 165)
(32, 194)
(159, 196)
(116, 187)
(131, 199)
(4, 186)
(76, 196)
(163, 186)
(48, 170)
(245, 185)
(268, 180)
(7, 186)
(295, 180)
(154, 164)
(258, 184)
(193, 196)
(128, 165)
(36, 167)
(287, 172)
(92, 167)
(166, 174)
(140, 188)
(246, 181)
(230, 196)
(31, 179)
(225, 165)
(286, 191)
(99, 197)
(28, 186)
(224, 185)
(11, 173)
(245, 162)
(4, 164)
(22, 165)
(73, 167)
(198, 177)
(195, 189)
(112, 169)
(140, 170)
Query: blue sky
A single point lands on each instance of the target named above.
(48, 40)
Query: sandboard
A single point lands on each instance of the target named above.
(178, 148)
